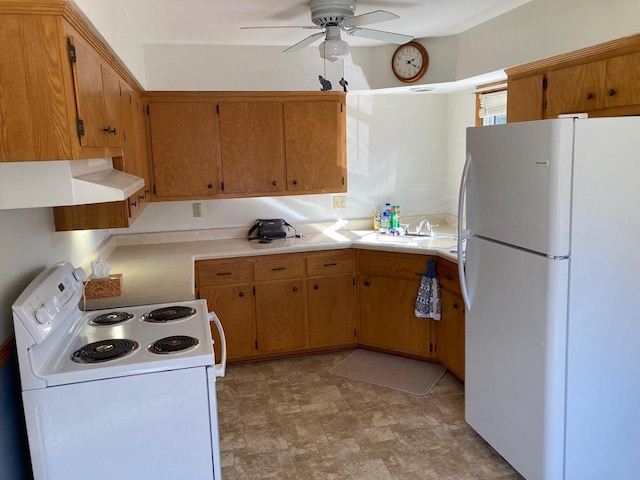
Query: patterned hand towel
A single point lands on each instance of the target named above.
(428, 301)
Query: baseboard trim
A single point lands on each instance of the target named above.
(7, 349)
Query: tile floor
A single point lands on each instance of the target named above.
(290, 419)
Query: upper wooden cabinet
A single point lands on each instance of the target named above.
(184, 146)
(252, 147)
(60, 86)
(603, 80)
(315, 146)
(260, 143)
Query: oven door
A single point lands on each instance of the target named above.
(141, 426)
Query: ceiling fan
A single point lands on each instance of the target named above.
(334, 16)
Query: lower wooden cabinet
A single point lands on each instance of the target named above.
(274, 305)
(450, 332)
(236, 307)
(387, 290)
(279, 304)
(280, 309)
(331, 313)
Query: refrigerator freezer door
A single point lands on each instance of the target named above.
(515, 355)
(519, 184)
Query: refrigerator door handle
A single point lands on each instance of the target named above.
(219, 368)
(463, 234)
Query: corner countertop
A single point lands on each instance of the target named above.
(159, 268)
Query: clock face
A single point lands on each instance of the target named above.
(410, 62)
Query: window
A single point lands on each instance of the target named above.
(491, 104)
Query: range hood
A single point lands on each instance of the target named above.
(64, 182)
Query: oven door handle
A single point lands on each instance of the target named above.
(219, 368)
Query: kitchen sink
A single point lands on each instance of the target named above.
(437, 242)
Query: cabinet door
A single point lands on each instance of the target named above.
(184, 147)
(622, 80)
(280, 310)
(252, 147)
(575, 89)
(315, 146)
(112, 91)
(235, 307)
(34, 108)
(387, 317)
(524, 99)
(87, 79)
(450, 333)
(331, 311)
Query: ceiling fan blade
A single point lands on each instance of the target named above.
(303, 43)
(305, 27)
(388, 37)
(368, 18)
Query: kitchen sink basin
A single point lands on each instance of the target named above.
(436, 242)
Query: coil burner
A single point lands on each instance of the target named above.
(169, 314)
(104, 350)
(111, 318)
(173, 344)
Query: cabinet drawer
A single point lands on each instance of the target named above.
(223, 273)
(279, 267)
(448, 276)
(404, 266)
(330, 263)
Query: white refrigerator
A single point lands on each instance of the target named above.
(551, 279)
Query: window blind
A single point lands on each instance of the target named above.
(493, 103)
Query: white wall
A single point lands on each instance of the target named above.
(28, 244)
(113, 24)
(541, 29)
(397, 151)
(461, 113)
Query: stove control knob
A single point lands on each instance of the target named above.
(79, 274)
(42, 315)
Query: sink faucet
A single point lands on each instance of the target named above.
(429, 228)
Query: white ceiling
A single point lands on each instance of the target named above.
(218, 22)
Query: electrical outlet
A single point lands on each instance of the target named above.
(339, 201)
(197, 209)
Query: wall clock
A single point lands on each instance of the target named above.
(410, 62)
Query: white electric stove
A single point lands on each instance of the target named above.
(121, 393)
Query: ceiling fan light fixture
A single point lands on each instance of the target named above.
(333, 50)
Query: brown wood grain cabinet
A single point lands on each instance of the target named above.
(270, 306)
(252, 147)
(62, 97)
(46, 89)
(331, 298)
(260, 143)
(387, 288)
(525, 99)
(601, 80)
(184, 146)
(450, 330)
(315, 146)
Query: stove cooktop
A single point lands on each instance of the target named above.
(118, 342)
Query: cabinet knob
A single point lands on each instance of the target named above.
(295, 182)
(612, 92)
(113, 131)
(295, 289)
(134, 204)
(455, 305)
(140, 197)
(241, 294)
(316, 287)
(367, 283)
(210, 185)
(274, 183)
(590, 96)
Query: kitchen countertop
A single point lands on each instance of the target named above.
(159, 268)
